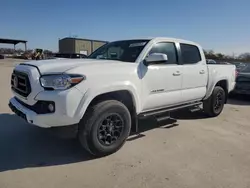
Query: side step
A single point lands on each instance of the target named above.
(164, 117)
(169, 109)
(195, 108)
(164, 114)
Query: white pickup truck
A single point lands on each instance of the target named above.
(105, 94)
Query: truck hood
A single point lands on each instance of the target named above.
(61, 65)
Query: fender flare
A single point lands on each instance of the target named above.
(211, 88)
(91, 94)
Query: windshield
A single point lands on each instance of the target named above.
(126, 51)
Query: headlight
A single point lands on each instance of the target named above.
(61, 81)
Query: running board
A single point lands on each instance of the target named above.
(163, 118)
(195, 109)
(161, 111)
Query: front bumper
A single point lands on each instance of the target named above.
(67, 104)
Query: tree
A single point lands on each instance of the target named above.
(220, 56)
(210, 54)
(244, 57)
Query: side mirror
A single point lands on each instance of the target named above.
(156, 58)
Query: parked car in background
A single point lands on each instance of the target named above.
(239, 65)
(70, 55)
(211, 61)
(243, 80)
(1, 56)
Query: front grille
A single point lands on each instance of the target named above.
(20, 83)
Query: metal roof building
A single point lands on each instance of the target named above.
(79, 45)
(13, 41)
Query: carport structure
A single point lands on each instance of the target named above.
(14, 42)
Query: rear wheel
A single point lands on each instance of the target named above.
(214, 105)
(105, 128)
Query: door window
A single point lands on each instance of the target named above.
(190, 54)
(167, 48)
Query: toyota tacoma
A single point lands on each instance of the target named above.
(105, 94)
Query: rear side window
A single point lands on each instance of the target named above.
(167, 48)
(190, 54)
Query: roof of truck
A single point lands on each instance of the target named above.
(165, 38)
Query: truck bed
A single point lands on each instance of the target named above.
(215, 71)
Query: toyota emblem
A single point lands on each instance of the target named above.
(15, 82)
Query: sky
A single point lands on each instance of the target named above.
(219, 25)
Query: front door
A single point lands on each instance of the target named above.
(161, 83)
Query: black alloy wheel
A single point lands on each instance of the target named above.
(105, 127)
(110, 129)
(214, 105)
(219, 101)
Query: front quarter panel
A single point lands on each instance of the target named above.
(105, 79)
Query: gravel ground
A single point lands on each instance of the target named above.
(195, 152)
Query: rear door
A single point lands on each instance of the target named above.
(195, 73)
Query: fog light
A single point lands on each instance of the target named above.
(51, 107)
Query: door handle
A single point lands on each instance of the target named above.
(202, 72)
(177, 73)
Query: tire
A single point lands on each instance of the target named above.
(211, 106)
(99, 123)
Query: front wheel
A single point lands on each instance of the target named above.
(105, 128)
(214, 105)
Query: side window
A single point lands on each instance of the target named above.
(167, 48)
(190, 54)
